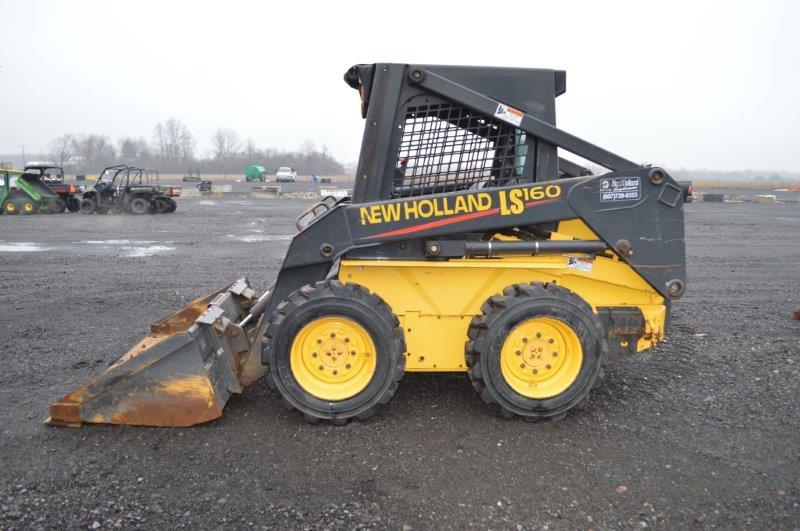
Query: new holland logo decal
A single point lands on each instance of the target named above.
(454, 209)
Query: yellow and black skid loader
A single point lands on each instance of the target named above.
(468, 245)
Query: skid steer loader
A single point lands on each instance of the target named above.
(468, 246)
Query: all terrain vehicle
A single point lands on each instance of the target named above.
(127, 189)
(22, 192)
(53, 177)
(461, 251)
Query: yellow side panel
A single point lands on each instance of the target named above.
(435, 301)
(569, 229)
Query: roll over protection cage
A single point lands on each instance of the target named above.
(507, 116)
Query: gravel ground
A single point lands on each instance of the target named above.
(699, 432)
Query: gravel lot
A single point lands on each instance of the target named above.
(702, 431)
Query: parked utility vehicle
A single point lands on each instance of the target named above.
(53, 177)
(124, 188)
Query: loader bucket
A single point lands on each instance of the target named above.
(181, 374)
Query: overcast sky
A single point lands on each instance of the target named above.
(712, 85)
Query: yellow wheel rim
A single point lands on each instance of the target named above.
(10, 207)
(333, 358)
(28, 207)
(541, 357)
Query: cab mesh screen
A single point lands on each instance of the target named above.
(446, 147)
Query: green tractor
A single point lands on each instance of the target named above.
(25, 193)
(255, 173)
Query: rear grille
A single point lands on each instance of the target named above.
(446, 147)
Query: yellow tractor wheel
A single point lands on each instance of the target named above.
(28, 207)
(334, 352)
(10, 207)
(536, 351)
(333, 358)
(541, 357)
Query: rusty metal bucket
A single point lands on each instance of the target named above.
(181, 374)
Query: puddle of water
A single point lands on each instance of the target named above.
(133, 248)
(118, 242)
(254, 238)
(22, 247)
(150, 250)
(206, 202)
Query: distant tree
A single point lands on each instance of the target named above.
(134, 151)
(62, 149)
(250, 149)
(173, 143)
(226, 143)
(93, 151)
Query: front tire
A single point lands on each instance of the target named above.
(536, 351)
(73, 205)
(139, 206)
(10, 207)
(87, 206)
(334, 352)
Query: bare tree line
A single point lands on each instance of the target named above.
(172, 149)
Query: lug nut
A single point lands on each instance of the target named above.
(535, 371)
(313, 354)
(347, 340)
(333, 334)
(518, 353)
(352, 352)
(524, 339)
(335, 372)
(321, 367)
(551, 340)
(521, 365)
(319, 340)
(548, 366)
(555, 354)
(538, 335)
(347, 366)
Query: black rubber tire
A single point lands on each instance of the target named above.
(15, 211)
(331, 297)
(139, 206)
(62, 206)
(73, 204)
(501, 313)
(173, 205)
(87, 206)
(35, 207)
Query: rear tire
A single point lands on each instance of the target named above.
(172, 205)
(87, 206)
(536, 351)
(302, 352)
(26, 206)
(139, 206)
